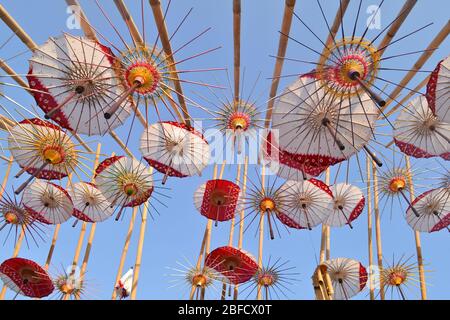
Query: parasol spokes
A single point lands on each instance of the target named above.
(327, 123)
(356, 76)
(79, 90)
(138, 82)
(35, 174)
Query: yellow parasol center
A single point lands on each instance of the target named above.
(267, 204)
(199, 280)
(53, 154)
(11, 217)
(349, 67)
(396, 278)
(397, 184)
(266, 280)
(66, 288)
(130, 189)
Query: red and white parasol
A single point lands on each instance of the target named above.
(348, 203)
(124, 182)
(320, 128)
(174, 149)
(438, 90)
(349, 277)
(237, 266)
(419, 133)
(77, 81)
(308, 203)
(42, 149)
(218, 199)
(90, 205)
(26, 277)
(433, 207)
(125, 284)
(48, 202)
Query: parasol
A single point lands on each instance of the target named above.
(174, 149)
(48, 202)
(123, 287)
(438, 90)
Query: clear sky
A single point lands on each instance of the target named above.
(176, 234)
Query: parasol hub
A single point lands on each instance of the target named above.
(218, 198)
(266, 280)
(397, 184)
(130, 189)
(144, 76)
(339, 203)
(267, 204)
(53, 154)
(28, 275)
(239, 121)
(11, 217)
(67, 288)
(199, 280)
(397, 278)
(231, 263)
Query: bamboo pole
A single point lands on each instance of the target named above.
(282, 46)
(137, 264)
(261, 234)
(378, 226)
(436, 42)
(324, 239)
(17, 29)
(423, 287)
(238, 181)
(237, 46)
(124, 251)
(401, 17)
(135, 34)
(52, 246)
(369, 228)
(164, 37)
(15, 254)
(6, 176)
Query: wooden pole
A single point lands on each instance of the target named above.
(126, 16)
(164, 37)
(369, 228)
(261, 233)
(52, 246)
(137, 265)
(6, 176)
(85, 26)
(436, 42)
(282, 46)
(125, 251)
(238, 181)
(237, 46)
(423, 287)
(324, 244)
(378, 226)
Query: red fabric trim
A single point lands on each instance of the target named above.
(412, 150)
(226, 211)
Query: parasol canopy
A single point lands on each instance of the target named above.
(90, 205)
(237, 266)
(349, 277)
(320, 129)
(308, 203)
(419, 133)
(48, 202)
(26, 277)
(433, 207)
(125, 284)
(76, 82)
(438, 90)
(174, 149)
(348, 203)
(218, 199)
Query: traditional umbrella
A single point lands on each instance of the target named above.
(285, 164)
(90, 205)
(348, 203)
(433, 207)
(26, 277)
(419, 133)
(320, 129)
(77, 81)
(14, 214)
(174, 149)
(236, 266)
(47, 202)
(399, 275)
(125, 284)
(43, 150)
(438, 90)
(349, 277)
(218, 199)
(124, 182)
(69, 285)
(308, 203)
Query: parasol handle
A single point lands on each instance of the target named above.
(341, 208)
(401, 292)
(75, 223)
(78, 90)
(269, 220)
(326, 122)
(35, 174)
(409, 202)
(375, 97)
(373, 156)
(108, 114)
(238, 139)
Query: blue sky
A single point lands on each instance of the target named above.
(178, 231)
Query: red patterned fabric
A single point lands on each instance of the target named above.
(40, 122)
(412, 150)
(245, 268)
(230, 192)
(288, 221)
(321, 185)
(47, 102)
(106, 163)
(362, 277)
(138, 201)
(357, 210)
(431, 87)
(161, 167)
(443, 223)
(40, 287)
(186, 127)
(81, 216)
(446, 156)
